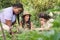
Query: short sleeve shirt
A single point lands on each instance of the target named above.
(7, 14)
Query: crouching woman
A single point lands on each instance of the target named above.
(45, 21)
(26, 24)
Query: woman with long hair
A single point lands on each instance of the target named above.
(26, 22)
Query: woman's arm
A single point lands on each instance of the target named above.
(32, 26)
(9, 23)
(20, 24)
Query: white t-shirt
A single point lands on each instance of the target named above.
(7, 14)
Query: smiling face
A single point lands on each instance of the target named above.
(17, 10)
(42, 21)
(26, 18)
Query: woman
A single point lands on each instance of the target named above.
(8, 15)
(45, 21)
(26, 23)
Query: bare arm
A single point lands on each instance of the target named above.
(20, 24)
(9, 23)
(32, 26)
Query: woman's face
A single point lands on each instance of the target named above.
(17, 10)
(42, 21)
(26, 17)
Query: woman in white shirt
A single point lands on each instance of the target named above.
(8, 15)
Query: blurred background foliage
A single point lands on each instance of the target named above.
(35, 7)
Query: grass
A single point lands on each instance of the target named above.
(53, 34)
(36, 35)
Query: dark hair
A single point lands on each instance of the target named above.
(28, 22)
(18, 5)
(44, 15)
